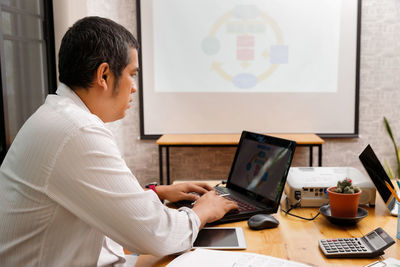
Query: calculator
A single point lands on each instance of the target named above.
(371, 245)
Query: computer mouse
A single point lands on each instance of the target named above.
(262, 221)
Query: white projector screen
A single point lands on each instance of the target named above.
(269, 66)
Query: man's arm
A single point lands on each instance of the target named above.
(91, 180)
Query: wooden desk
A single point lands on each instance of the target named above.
(297, 239)
(225, 140)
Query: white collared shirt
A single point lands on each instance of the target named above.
(64, 186)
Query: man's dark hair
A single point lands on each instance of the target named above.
(90, 42)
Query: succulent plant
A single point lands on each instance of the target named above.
(346, 187)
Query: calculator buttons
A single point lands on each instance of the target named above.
(367, 246)
(342, 246)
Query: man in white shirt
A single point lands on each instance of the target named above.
(63, 183)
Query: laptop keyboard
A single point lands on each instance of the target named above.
(243, 206)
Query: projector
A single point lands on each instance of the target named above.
(309, 185)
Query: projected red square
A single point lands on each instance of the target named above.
(245, 54)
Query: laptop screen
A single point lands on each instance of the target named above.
(376, 172)
(261, 166)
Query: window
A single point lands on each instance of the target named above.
(27, 62)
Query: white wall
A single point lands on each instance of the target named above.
(379, 96)
(65, 13)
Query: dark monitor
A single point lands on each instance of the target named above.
(377, 174)
(261, 166)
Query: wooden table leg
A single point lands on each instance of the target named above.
(167, 154)
(311, 155)
(160, 162)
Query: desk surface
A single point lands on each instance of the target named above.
(297, 239)
(229, 139)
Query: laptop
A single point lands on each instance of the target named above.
(378, 176)
(257, 176)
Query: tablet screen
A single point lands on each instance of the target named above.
(220, 238)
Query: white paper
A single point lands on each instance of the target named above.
(210, 258)
(389, 262)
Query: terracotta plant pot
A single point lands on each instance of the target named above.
(343, 205)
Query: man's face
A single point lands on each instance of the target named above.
(121, 96)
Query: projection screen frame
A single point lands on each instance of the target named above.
(354, 134)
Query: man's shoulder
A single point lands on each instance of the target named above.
(50, 128)
(67, 113)
(61, 117)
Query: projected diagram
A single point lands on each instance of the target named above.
(259, 42)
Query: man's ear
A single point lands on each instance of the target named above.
(103, 75)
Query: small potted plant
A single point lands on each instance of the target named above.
(344, 199)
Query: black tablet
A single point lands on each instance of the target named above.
(220, 238)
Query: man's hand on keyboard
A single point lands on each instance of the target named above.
(182, 191)
(211, 207)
